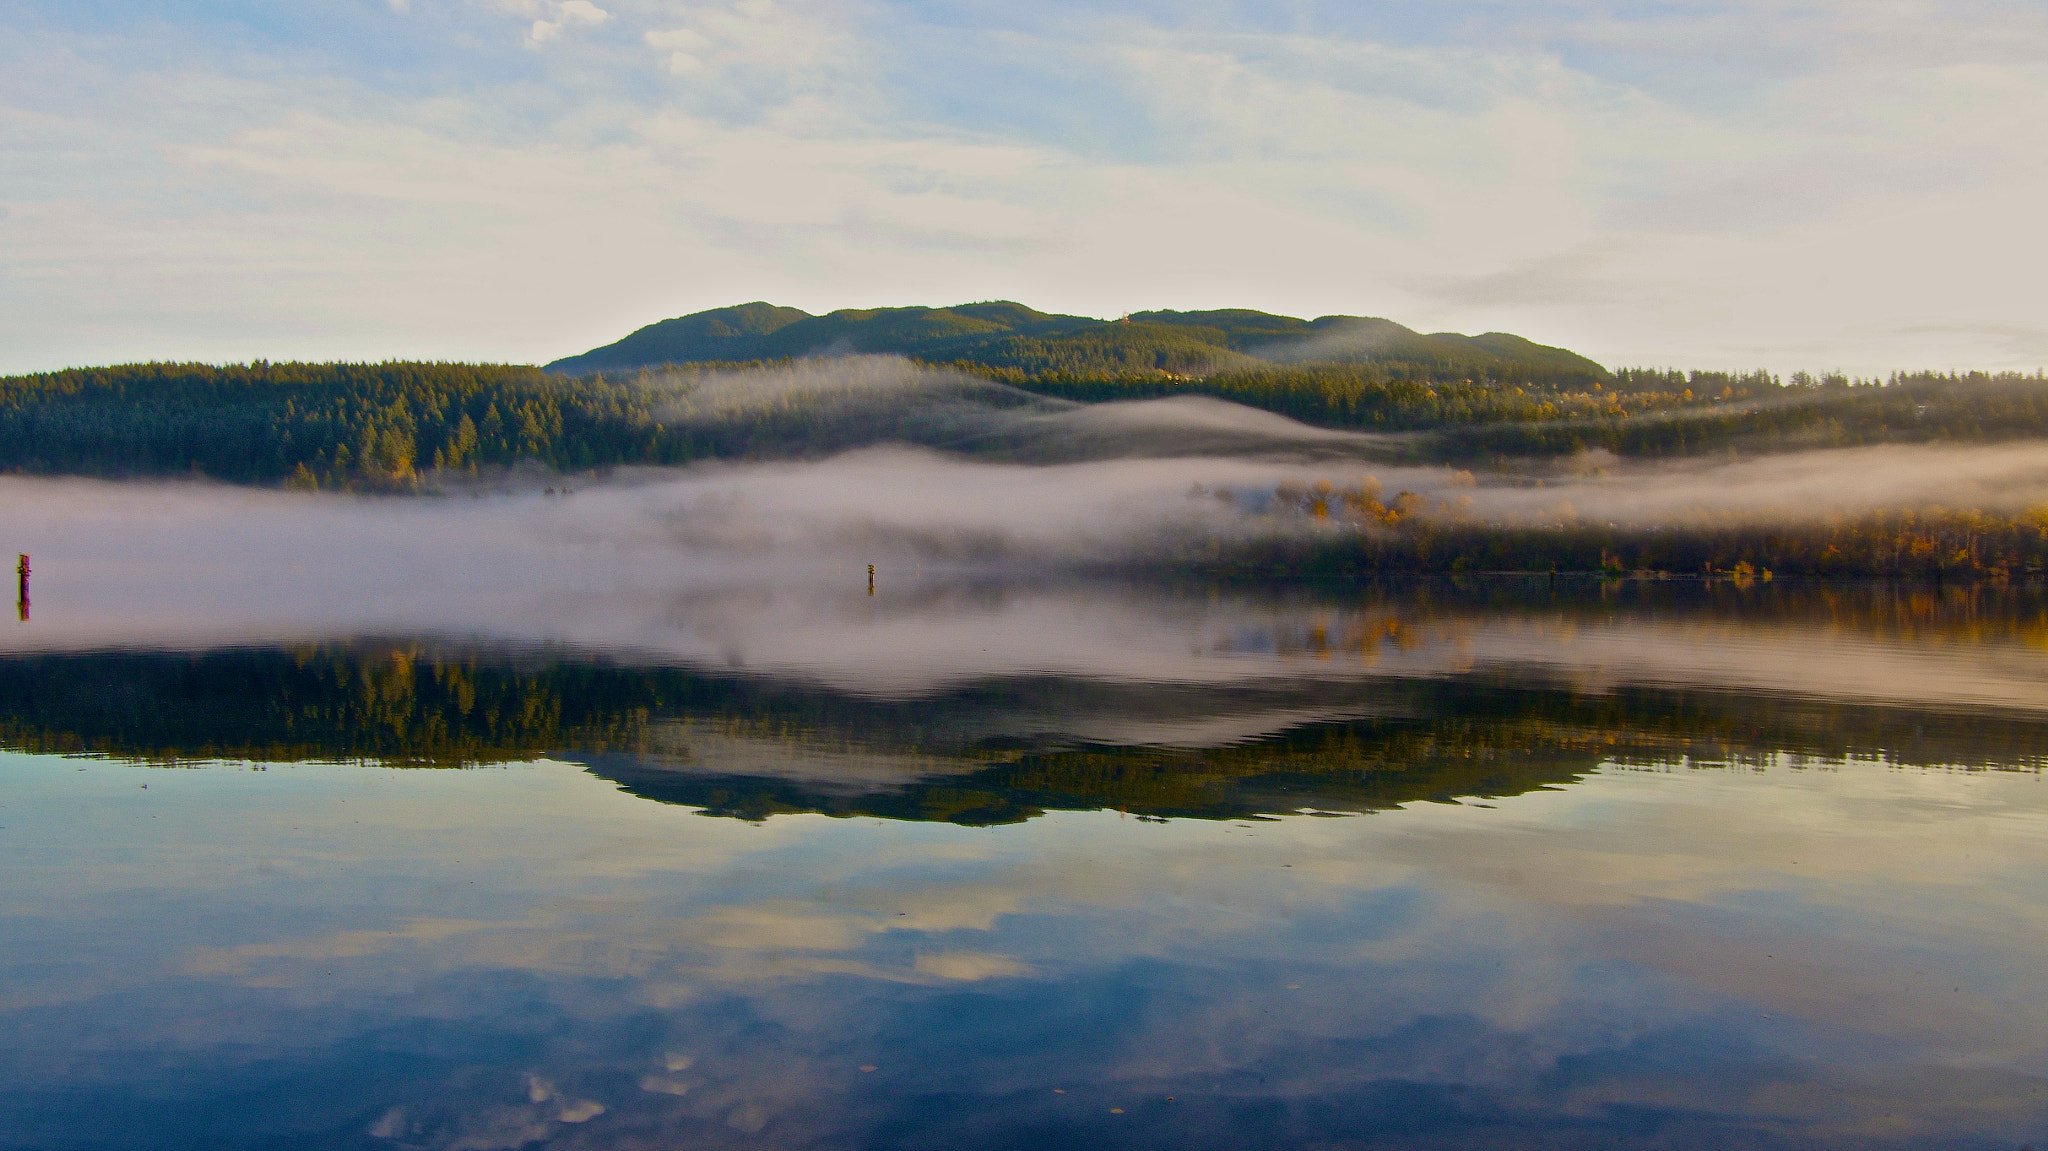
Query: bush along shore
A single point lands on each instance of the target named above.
(1321, 531)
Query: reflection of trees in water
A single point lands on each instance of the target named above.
(980, 754)
(1459, 740)
(1323, 620)
(402, 705)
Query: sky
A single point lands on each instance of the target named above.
(1849, 185)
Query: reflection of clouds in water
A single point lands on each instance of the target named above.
(704, 978)
(1744, 891)
(501, 1127)
(969, 966)
(244, 958)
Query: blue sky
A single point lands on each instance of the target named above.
(1825, 184)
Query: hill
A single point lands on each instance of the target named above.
(1010, 337)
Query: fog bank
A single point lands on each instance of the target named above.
(814, 406)
(762, 570)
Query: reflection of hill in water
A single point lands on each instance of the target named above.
(1438, 740)
(996, 751)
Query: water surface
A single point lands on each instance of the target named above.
(1028, 863)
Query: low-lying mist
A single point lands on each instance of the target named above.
(1789, 487)
(864, 401)
(877, 401)
(615, 573)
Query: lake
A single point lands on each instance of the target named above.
(1022, 862)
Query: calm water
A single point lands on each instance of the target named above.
(976, 864)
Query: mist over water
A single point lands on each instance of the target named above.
(764, 567)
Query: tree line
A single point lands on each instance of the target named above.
(382, 425)
(328, 425)
(1804, 412)
(1365, 533)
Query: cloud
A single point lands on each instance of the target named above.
(757, 59)
(686, 48)
(1813, 185)
(2027, 343)
(564, 13)
(1586, 273)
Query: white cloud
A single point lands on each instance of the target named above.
(686, 48)
(563, 13)
(759, 55)
(1833, 199)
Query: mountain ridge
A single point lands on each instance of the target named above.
(1005, 335)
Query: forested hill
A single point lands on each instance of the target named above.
(1011, 337)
